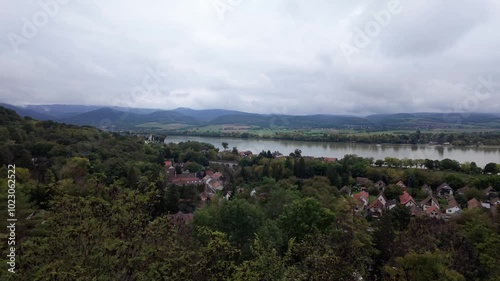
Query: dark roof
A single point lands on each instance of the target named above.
(452, 202)
(345, 189)
(425, 186)
(391, 202)
(429, 200)
(489, 189)
(443, 185)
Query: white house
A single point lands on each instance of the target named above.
(453, 206)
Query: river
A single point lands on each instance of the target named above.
(480, 155)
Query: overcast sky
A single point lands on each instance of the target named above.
(281, 56)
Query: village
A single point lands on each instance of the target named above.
(440, 203)
(431, 206)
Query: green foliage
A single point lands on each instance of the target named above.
(304, 216)
(423, 267)
(95, 205)
(392, 192)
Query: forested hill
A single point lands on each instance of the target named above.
(95, 205)
(133, 118)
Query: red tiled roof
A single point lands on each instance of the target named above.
(362, 194)
(376, 204)
(405, 198)
(168, 164)
(183, 180)
(431, 209)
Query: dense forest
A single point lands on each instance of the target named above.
(94, 205)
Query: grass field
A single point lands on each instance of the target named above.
(156, 125)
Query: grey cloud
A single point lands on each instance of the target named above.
(267, 57)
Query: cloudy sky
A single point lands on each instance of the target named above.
(281, 56)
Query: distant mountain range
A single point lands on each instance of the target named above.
(134, 118)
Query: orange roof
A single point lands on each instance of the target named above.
(473, 203)
(168, 164)
(405, 198)
(362, 194)
(431, 209)
(376, 204)
(186, 180)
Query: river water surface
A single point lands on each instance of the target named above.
(480, 155)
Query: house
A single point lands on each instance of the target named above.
(376, 208)
(402, 185)
(428, 202)
(204, 196)
(168, 164)
(245, 153)
(360, 181)
(380, 185)
(391, 204)
(462, 190)
(188, 179)
(345, 190)
(180, 218)
(216, 176)
(453, 206)
(473, 203)
(495, 201)
(361, 197)
(444, 190)
(433, 212)
(486, 205)
(406, 199)
(329, 160)
(381, 197)
(415, 211)
(426, 188)
(490, 192)
(213, 184)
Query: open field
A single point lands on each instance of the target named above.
(156, 125)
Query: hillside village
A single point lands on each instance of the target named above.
(440, 203)
(370, 197)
